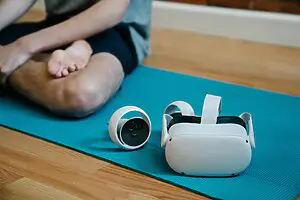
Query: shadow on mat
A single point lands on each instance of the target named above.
(148, 159)
(101, 145)
(153, 157)
(153, 162)
(18, 100)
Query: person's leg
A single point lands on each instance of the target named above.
(82, 92)
(57, 64)
(79, 94)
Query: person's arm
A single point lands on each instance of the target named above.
(101, 16)
(11, 10)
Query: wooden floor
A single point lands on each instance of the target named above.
(33, 169)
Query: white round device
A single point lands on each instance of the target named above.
(207, 145)
(132, 133)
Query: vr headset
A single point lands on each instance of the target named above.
(207, 145)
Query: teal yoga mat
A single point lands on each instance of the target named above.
(274, 172)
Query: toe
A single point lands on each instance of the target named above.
(72, 68)
(58, 74)
(80, 52)
(54, 64)
(76, 67)
(80, 63)
(65, 72)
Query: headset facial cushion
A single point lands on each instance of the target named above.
(178, 118)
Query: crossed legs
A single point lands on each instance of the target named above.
(79, 88)
(78, 94)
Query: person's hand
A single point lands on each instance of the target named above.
(12, 56)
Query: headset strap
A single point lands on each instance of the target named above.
(183, 107)
(211, 109)
(248, 120)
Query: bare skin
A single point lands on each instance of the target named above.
(66, 82)
(74, 58)
(99, 17)
(77, 95)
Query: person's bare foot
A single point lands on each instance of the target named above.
(74, 58)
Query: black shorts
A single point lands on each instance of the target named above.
(116, 41)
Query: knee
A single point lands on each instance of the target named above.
(82, 95)
(79, 100)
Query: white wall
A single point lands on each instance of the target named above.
(270, 28)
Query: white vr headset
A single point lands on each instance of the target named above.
(210, 145)
(207, 145)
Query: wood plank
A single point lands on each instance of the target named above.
(25, 146)
(33, 16)
(132, 179)
(37, 160)
(260, 66)
(25, 188)
(7, 177)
